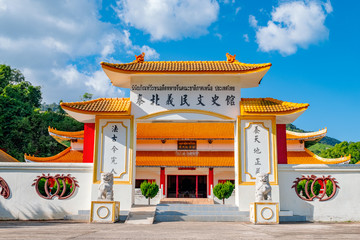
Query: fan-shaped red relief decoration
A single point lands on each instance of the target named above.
(310, 187)
(4, 187)
(61, 186)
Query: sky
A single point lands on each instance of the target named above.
(312, 44)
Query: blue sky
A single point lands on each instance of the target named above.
(313, 46)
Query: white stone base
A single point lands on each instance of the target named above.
(104, 211)
(264, 212)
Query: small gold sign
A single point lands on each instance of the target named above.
(186, 145)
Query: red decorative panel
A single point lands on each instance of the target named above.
(311, 187)
(281, 143)
(89, 136)
(61, 186)
(4, 187)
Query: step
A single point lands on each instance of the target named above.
(199, 213)
(202, 201)
(205, 213)
(286, 213)
(294, 218)
(201, 218)
(196, 207)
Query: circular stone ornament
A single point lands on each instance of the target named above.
(267, 213)
(103, 212)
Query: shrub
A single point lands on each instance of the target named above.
(223, 190)
(301, 188)
(329, 188)
(149, 190)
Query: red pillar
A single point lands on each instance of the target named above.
(281, 143)
(197, 186)
(89, 137)
(177, 186)
(162, 179)
(211, 179)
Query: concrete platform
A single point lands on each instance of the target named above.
(175, 230)
(141, 215)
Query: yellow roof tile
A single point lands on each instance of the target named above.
(308, 136)
(66, 156)
(184, 159)
(186, 67)
(4, 157)
(185, 130)
(65, 138)
(308, 157)
(100, 105)
(65, 134)
(269, 106)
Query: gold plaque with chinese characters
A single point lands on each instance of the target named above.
(257, 138)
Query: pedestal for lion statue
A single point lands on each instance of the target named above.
(263, 210)
(105, 209)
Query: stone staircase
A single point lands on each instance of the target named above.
(288, 216)
(199, 213)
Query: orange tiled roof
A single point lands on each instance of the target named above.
(100, 105)
(186, 67)
(4, 157)
(64, 138)
(66, 156)
(185, 130)
(308, 157)
(66, 135)
(309, 136)
(184, 159)
(269, 106)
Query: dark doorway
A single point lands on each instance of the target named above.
(184, 186)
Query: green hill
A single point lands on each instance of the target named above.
(329, 147)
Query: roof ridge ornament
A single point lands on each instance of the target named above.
(230, 58)
(139, 58)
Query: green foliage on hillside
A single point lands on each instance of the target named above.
(23, 127)
(344, 149)
(325, 140)
(317, 148)
(330, 147)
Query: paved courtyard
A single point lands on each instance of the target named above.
(175, 230)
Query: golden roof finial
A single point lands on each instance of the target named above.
(140, 58)
(230, 58)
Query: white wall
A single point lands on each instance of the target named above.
(344, 206)
(25, 204)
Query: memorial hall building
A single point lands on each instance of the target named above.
(187, 128)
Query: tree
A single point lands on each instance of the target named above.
(223, 190)
(149, 190)
(344, 149)
(86, 96)
(23, 128)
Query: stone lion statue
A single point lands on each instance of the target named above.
(106, 187)
(262, 187)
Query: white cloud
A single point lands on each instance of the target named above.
(218, 35)
(246, 37)
(169, 19)
(253, 22)
(95, 82)
(237, 10)
(293, 24)
(51, 40)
